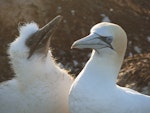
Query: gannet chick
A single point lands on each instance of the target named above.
(39, 85)
(95, 89)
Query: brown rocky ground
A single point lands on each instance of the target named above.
(135, 73)
(79, 17)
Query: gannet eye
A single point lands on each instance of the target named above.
(109, 39)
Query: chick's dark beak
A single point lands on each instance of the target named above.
(40, 41)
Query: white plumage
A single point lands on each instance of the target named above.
(95, 89)
(39, 85)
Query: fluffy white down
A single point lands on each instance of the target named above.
(17, 47)
(95, 89)
(39, 85)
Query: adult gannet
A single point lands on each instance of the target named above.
(95, 89)
(39, 85)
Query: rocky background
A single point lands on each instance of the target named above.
(78, 17)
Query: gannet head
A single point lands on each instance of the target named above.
(32, 40)
(106, 37)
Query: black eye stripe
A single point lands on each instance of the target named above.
(108, 40)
